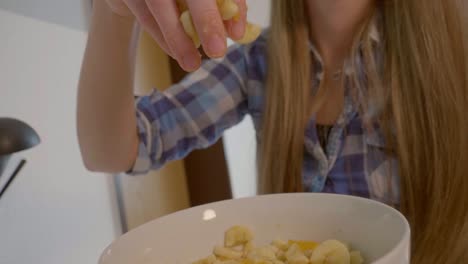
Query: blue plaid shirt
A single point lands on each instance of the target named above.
(194, 113)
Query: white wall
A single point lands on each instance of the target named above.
(71, 13)
(55, 212)
(239, 141)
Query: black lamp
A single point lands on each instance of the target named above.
(15, 136)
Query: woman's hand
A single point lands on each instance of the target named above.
(160, 18)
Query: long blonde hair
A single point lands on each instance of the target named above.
(423, 94)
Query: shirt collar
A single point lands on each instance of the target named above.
(374, 30)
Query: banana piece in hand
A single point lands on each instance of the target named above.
(229, 10)
(189, 28)
(331, 252)
(356, 257)
(252, 32)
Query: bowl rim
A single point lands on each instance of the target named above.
(406, 235)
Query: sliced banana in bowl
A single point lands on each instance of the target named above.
(239, 249)
(331, 252)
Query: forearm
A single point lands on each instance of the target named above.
(106, 113)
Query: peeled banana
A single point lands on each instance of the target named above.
(228, 10)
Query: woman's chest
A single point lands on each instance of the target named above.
(353, 161)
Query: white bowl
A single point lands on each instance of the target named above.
(381, 233)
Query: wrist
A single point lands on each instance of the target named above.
(109, 27)
(103, 13)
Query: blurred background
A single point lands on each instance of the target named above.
(55, 211)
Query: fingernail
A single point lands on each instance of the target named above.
(237, 26)
(237, 30)
(216, 46)
(191, 62)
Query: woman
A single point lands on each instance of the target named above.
(360, 97)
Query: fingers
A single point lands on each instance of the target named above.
(236, 26)
(180, 44)
(147, 21)
(209, 26)
(160, 18)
